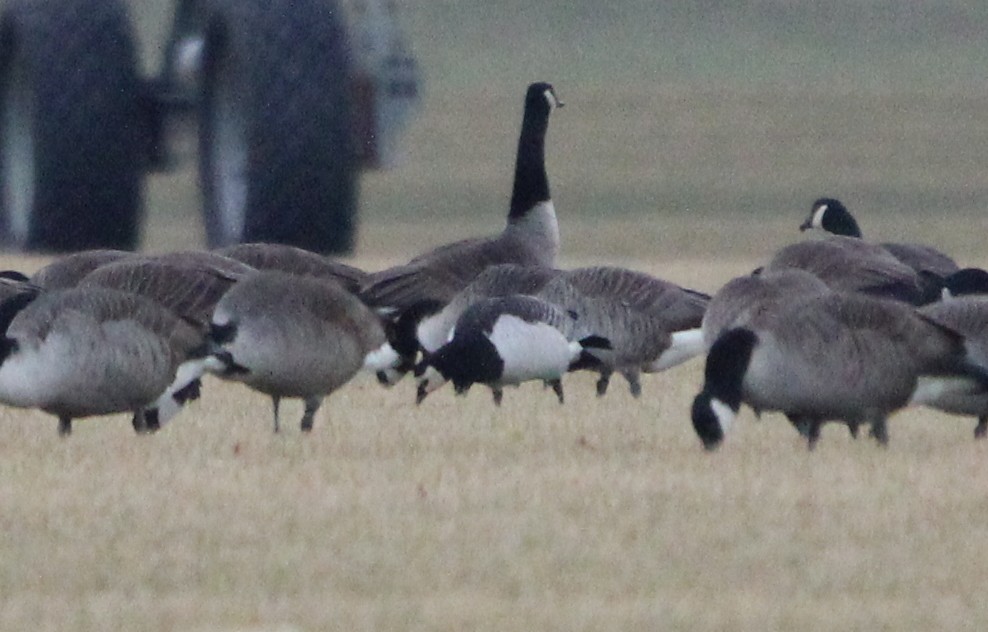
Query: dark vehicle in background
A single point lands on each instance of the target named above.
(285, 101)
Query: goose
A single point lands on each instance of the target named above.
(531, 236)
(755, 299)
(652, 324)
(94, 351)
(294, 260)
(831, 357)
(851, 265)
(932, 265)
(967, 315)
(427, 326)
(190, 289)
(508, 340)
(66, 271)
(286, 335)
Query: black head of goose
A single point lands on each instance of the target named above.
(965, 282)
(832, 357)
(531, 236)
(932, 265)
(506, 341)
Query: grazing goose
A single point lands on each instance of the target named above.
(531, 236)
(753, 300)
(66, 271)
(652, 324)
(82, 352)
(295, 261)
(851, 265)
(505, 341)
(831, 357)
(932, 265)
(190, 289)
(295, 336)
(967, 315)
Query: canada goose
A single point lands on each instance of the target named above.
(295, 260)
(838, 356)
(190, 289)
(751, 300)
(94, 351)
(66, 271)
(505, 341)
(851, 265)
(932, 265)
(295, 336)
(652, 324)
(531, 236)
(967, 315)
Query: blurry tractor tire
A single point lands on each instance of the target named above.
(277, 160)
(71, 132)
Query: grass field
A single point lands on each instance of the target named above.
(691, 146)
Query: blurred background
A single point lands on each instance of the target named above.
(690, 129)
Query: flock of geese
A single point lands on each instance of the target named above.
(831, 329)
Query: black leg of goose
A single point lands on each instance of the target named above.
(853, 427)
(137, 421)
(813, 433)
(151, 421)
(312, 404)
(276, 402)
(982, 429)
(879, 431)
(498, 394)
(557, 388)
(602, 382)
(801, 424)
(64, 426)
(634, 383)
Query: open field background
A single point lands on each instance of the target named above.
(694, 139)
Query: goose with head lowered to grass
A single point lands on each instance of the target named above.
(831, 357)
(504, 341)
(92, 351)
(295, 336)
(531, 236)
(932, 265)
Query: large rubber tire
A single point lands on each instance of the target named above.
(277, 161)
(71, 128)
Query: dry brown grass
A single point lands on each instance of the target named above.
(456, 515)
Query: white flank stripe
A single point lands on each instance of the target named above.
(530, 351)
(685, 345)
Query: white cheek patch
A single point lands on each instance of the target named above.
(946, 294)
(432, 379)
(551, 100)
(817, 221)
(724, 414)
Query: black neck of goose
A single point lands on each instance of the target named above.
(531, 182)
(727, 363)
(839, 221)
(13, 306)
